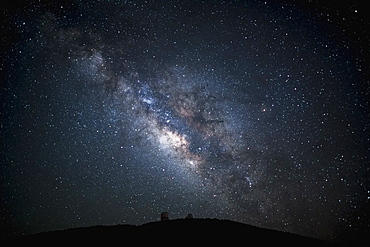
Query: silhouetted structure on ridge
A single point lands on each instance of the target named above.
(189, 216)
(164, 216)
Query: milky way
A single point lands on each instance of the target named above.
(253, 111)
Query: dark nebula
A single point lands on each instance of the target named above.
(254, 111)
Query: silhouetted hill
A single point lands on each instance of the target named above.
(176, 231)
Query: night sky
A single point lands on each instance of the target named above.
(115, 111)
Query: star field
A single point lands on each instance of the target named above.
(255, 111)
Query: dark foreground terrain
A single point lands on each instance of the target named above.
(196, 231)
